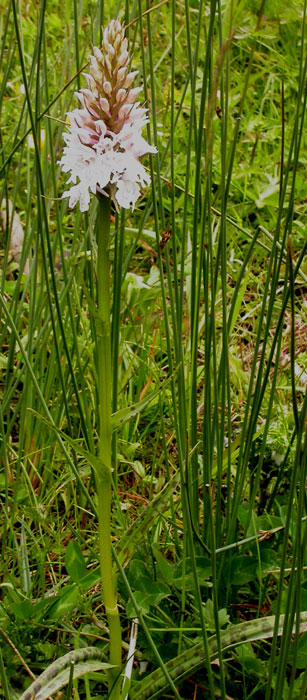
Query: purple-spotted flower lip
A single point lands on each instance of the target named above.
(104, 141)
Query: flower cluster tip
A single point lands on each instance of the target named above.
(104, 142)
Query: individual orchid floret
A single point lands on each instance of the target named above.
(104, 142)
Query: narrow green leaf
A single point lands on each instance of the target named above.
(187, 663)
(56, 677)
(74, 561)
(135, 533)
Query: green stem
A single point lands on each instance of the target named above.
(103, 479)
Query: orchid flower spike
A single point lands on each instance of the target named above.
(104, 142)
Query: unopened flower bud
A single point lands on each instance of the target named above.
(108, 64)
(98, 54)
(111, 51)
(107, 87)
(117, 42)
(123, 59)
(90, 81)
(81, 98)
(130, 78)
(95, 67)
(132, 95)
(89, 95)
(121, 94)
(121, 73)
(104, 105)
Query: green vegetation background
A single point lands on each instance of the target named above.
(209, 284)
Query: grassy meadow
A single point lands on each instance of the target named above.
(208, 312)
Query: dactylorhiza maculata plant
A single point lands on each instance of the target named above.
(103, 147)
(105, 142)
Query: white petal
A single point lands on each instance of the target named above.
(78, 193)
(127, 193)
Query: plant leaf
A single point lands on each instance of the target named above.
(190, 660)
(57, 674)
(74, 561)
